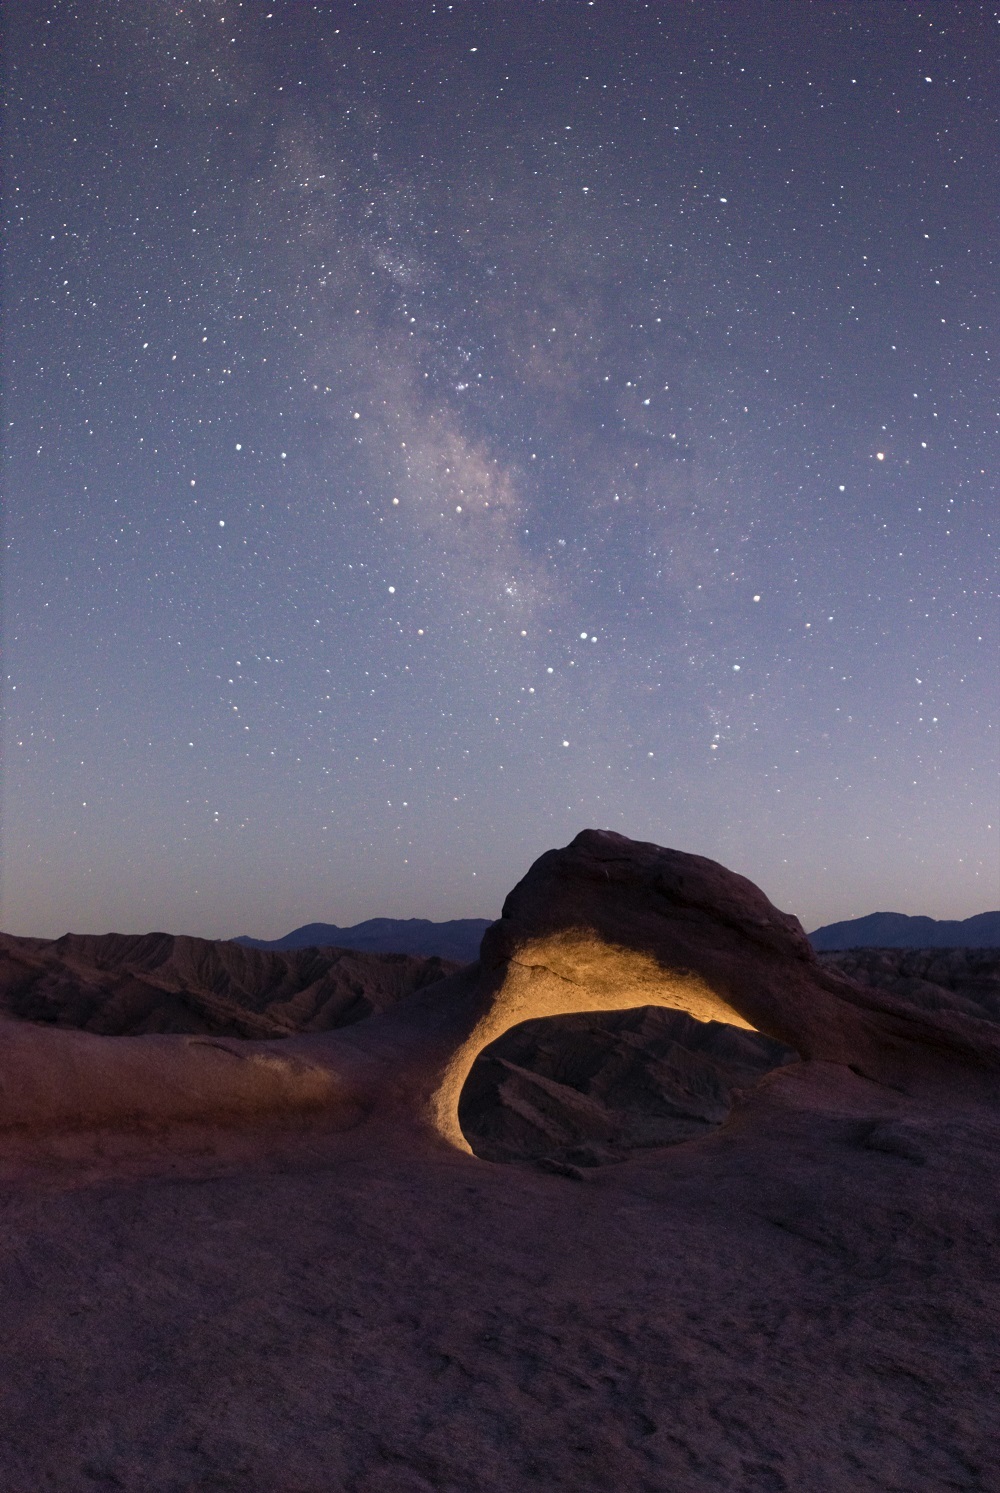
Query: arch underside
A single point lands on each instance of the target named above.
(566, 974)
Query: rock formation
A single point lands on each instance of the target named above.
(272, 1266)
(605, 924)
(547, 1091)
(564, 1093)
(611, 924)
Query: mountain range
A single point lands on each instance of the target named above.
(458, 939)
(896, 930)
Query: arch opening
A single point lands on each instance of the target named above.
(579, 975)
(596, 1087)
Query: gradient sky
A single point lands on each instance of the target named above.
(435, 428)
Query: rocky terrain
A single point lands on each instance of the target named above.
(966, 980)
(127, 985)
(563, 1093)
(273, 1266)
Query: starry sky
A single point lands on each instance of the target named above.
(435, 428)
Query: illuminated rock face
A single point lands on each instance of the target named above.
(604, 924)
(609, 923)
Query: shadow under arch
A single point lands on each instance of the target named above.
(570, 972)
(593, 1088)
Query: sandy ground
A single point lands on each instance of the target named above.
(807, 1300)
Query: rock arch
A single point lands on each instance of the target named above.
(609, 923)
(565, 974)
(604, 923)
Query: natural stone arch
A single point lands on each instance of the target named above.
(609, 923)
(562, 975)
(606, 923)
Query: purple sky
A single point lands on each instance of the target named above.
(432, 429)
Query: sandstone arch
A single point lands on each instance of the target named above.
(565, 974)
(605, 923)
(609, 923)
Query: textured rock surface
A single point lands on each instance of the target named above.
(963, 980)
(259, 1267)
(582, 1091)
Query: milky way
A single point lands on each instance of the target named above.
(432, 429)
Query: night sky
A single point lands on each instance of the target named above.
(432, 429)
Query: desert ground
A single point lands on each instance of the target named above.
(732, 1224)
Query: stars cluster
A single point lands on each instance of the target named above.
(435, 428)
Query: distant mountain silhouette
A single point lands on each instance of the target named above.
(896, 930)
(458, 939)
